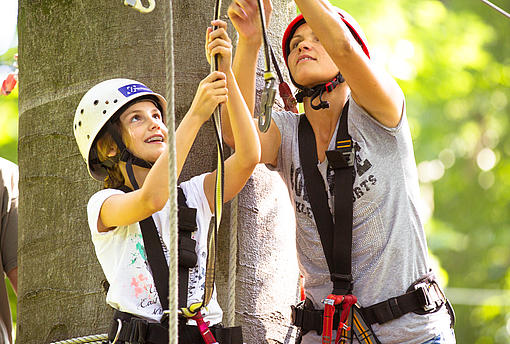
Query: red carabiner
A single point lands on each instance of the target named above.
(203, 327)
(329, 311)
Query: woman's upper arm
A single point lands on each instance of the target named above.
(270, 142)
(372, 87)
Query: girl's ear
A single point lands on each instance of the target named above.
(112, 151)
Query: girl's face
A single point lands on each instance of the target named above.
(143, 130)
(309, 63)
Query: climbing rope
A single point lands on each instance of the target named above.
(212, 246)
(490, 4)
(95, 339)
(172, 172)
(232, 265)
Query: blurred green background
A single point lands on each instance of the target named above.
(452, 59)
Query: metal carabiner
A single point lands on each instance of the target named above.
(267, 101)
(119, 328)
(137, 5)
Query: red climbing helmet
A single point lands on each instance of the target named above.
(351, 23)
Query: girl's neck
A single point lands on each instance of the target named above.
(140, 174)
(324, 121)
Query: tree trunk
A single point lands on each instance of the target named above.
(65, 48)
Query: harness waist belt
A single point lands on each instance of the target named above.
(137, 330)
(426, 298)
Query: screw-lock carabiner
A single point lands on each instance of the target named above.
(137, 5)
(267, 101)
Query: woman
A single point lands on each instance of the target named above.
(328, 60)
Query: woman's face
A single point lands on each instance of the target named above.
(143, 130)
(308, 61)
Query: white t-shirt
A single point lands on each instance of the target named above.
(122, 256)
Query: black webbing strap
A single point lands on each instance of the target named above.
(336, 238)
(156, 257)
(186, 246)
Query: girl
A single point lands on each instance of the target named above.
(329, 62)
(120, 130)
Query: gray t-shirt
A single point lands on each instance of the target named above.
(389, 249)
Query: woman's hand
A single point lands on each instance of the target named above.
(218, 43)
(211, 92)
(245, 17)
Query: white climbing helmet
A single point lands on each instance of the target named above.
(97, 107)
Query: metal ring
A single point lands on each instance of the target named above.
(119, 328)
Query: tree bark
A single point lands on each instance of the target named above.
(66, 47)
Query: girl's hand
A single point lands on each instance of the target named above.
(245, 16)
(211, 92)
(217, 42)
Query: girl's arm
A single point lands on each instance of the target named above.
(125, 209)
(371, 87)
(131, 207)
(239, 166)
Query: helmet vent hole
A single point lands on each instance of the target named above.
(115, 100)
(79, 123)
(88, 137)
(96, 102)
(75, 127)
(107, 102)
(81, 111)
(104, 112)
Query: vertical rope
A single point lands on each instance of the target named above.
(232, 265)
(172, 168)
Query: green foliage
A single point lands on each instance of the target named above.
(452, 59)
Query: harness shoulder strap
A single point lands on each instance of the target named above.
(336, 237)
(156, 256)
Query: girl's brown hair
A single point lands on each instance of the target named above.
(104, 144)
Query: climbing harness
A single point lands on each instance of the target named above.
(10, 81)
(138, 5)
(500, 10)
(423, 297)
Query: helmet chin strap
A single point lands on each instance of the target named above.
(317, 91)
(125, 155)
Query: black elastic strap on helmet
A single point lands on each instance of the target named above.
(125, 155)
(317, 91)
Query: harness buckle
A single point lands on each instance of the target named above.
(137, 5)
(433, 297)
(139, 329)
